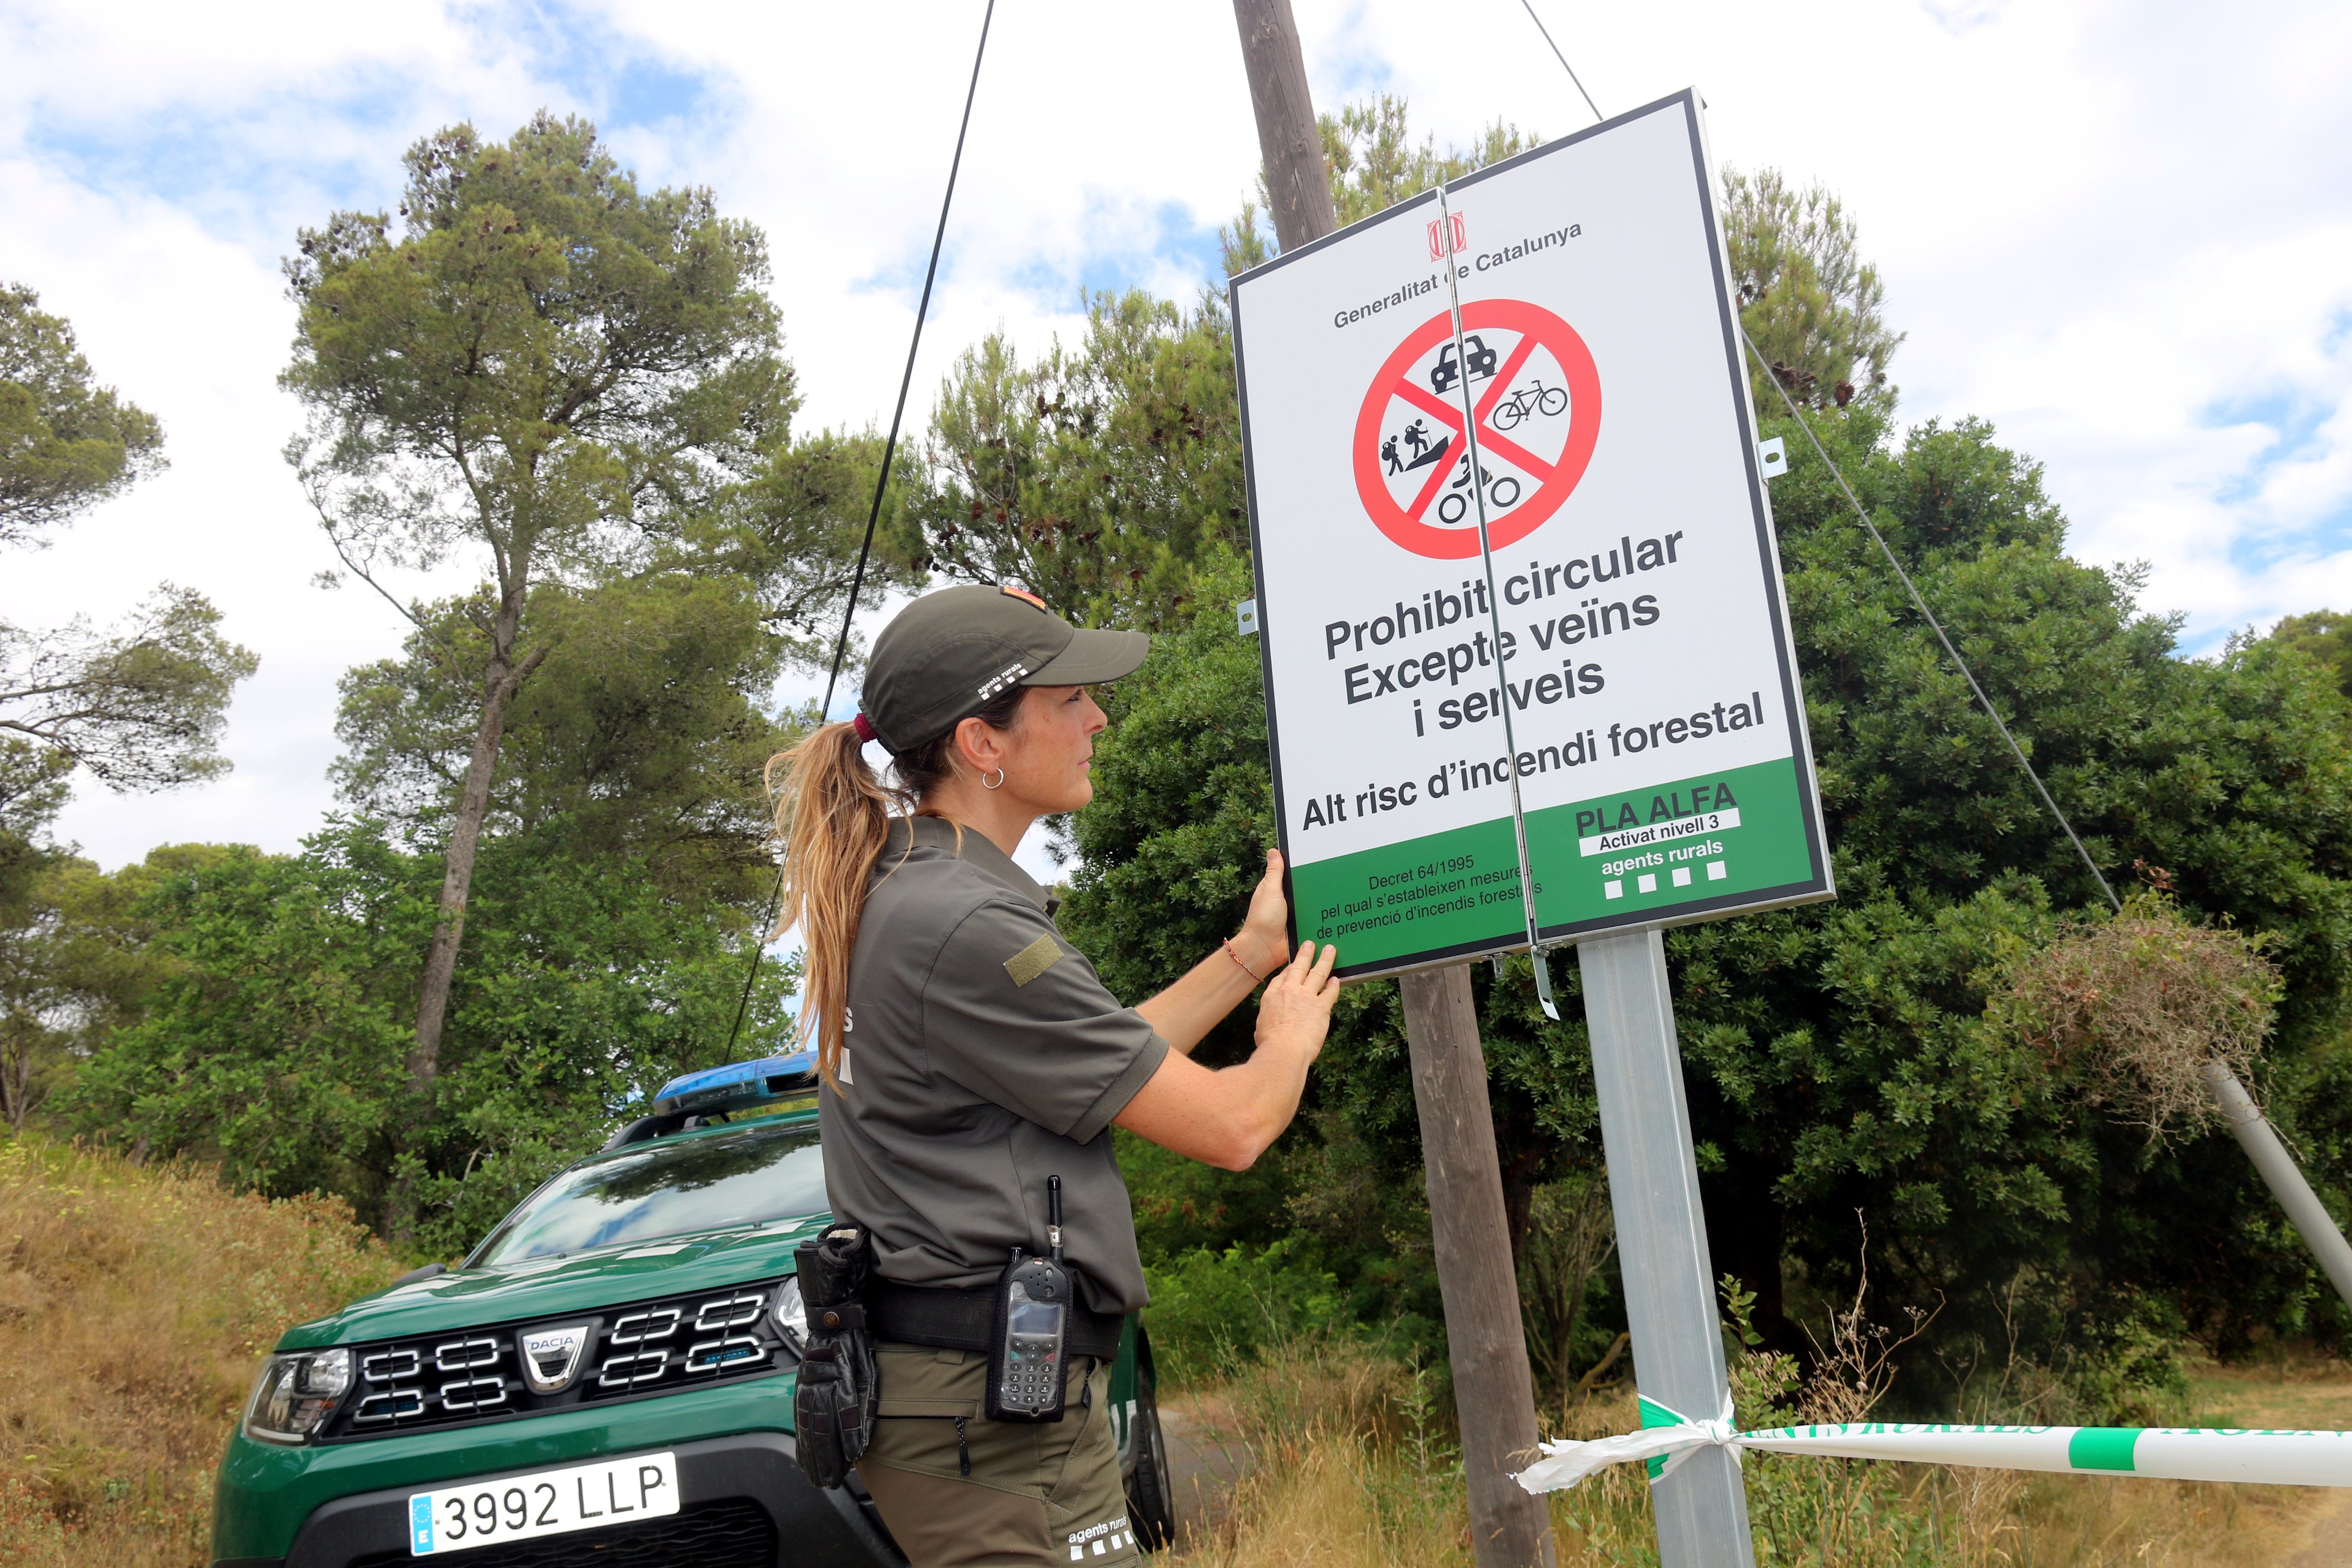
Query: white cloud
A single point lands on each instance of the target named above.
(2117, 231)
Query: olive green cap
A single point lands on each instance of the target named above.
(944, 657)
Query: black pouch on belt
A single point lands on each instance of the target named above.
(832, 1407)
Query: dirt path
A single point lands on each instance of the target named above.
(1206, 1457)
(2331, 1539)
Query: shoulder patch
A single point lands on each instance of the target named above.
(1034, 959)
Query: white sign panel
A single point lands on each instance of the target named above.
(1643, 647)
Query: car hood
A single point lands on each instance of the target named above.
(547, 1287)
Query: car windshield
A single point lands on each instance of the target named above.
(763, 1172)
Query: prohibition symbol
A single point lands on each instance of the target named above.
(1538, 403)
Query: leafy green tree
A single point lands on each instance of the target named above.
(274, 1039)
(1812, 303)
(66, 442)
(1096, 477)
(2322, 634)
(1374, 164)
(643, 732)
(548, 367)
(77, 964)
(140, 706)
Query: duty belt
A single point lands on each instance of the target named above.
(965, 1319)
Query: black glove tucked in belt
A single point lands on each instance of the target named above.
(832, 1407)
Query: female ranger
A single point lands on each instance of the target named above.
(969, 1054)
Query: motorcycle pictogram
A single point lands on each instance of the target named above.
(1502, 492)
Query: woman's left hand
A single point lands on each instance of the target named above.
(1265, 940)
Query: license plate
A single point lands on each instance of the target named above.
(548, 1502)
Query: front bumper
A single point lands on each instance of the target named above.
(330, 1508)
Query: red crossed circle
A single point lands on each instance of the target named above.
(1536, 328)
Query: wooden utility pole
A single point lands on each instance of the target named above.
(1297, 186)
(1493, 1395)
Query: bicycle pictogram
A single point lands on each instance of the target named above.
(1533, 398)
(1535, 394)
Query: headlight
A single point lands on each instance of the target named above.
(296, 1394)
(791, 1314)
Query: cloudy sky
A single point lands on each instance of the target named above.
(2122, 233)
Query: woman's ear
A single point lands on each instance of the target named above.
(980, 746)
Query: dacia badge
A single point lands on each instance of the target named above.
(550, 1357)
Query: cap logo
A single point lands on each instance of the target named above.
(996, 683)
(1023, 595)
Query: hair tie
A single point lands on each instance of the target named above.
(864, 728)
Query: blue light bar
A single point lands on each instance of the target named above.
(739, 1086)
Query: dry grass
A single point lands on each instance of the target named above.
(133, 1306)
(1349, 1465)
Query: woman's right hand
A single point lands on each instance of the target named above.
(1295, 1013)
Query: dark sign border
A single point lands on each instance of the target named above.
(1822, 884)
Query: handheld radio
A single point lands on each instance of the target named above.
(1033, 1317)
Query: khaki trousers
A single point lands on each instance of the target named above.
(1038, 1495)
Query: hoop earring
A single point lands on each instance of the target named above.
(998, 784)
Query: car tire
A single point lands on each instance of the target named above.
(1151, 1490)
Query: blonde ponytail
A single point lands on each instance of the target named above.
(832, 816)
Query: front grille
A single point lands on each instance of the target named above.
(734, 1532)
(629, 1351)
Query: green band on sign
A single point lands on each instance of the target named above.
(2103, 1448)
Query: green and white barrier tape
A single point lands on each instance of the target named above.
(2166, 1453)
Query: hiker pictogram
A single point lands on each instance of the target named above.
(1536, 395)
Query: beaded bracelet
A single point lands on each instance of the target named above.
(1237, 957)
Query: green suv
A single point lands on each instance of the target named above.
(606, 1380)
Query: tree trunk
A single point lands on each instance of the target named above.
(501, 683)
(1298, 187)
(1494, 1395)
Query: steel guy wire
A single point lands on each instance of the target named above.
(1561, 58)
(1918, 602)
(1475, 472)
(881, 485)
(1929, 615)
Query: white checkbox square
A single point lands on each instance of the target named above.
(1682, 876)
(1648, 884)
(1612, 890)
(1717, 870)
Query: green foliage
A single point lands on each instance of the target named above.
(274, 1043)
(548, 361)
(2324, 635)
(1806, 296)
(77, 964)
(1373, 164)
(1211, 1310)
(641, 731)
(1098, 478)
(66, 442)
(141, 705)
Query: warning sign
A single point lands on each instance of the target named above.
(1539, 411)
(1627, 616)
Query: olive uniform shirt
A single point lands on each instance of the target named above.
(982, 1055)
